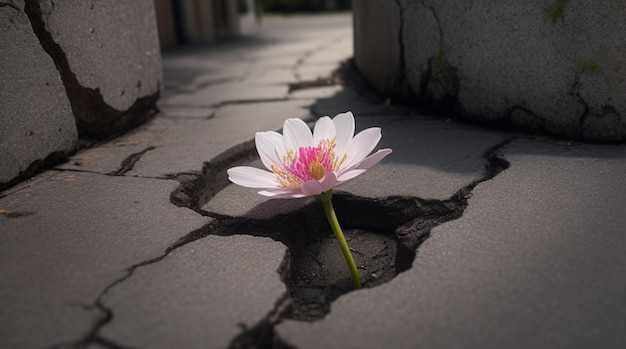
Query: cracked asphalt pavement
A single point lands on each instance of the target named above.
(466, 236)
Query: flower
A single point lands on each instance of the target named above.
(307, 164)
(311, 164)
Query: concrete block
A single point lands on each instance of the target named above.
(109, 58)
(93, 69)
(555, 66)
(493, 61)
(110, 46)
(37, 121)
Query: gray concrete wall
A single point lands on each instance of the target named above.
(70, 70)
(35, 114)
(558, 65)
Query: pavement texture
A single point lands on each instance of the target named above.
(465, 236)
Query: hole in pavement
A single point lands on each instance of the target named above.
(384, 234)
(380, 233)
(317, 272)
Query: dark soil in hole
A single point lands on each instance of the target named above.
(319, 273)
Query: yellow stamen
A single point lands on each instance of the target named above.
(317, 170)
(328, 146)
(291, 175)
(285, 178)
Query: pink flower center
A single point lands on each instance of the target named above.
(307, 163)
(311, 162)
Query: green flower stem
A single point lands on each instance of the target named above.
(326, 199)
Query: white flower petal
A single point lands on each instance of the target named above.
(361, 145)
(252, 177)
(274, 147)
(324, 129)
(348, 175)
(279, 191)
(281, 194)
(270, 146)
(373, 159)
(287, 196)
(297, 134)
(329, 181)
(311, 187)
(344, 129)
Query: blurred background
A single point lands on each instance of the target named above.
(286, 6)
(183, 22)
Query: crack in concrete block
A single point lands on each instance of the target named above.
(38, 128)
(575, 93)
(52, 159)
(128, 163)
(94, 117)
(595, 123)
(403, 83)
(439, 85)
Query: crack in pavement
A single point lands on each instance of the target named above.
(15, 214)
(439, 84)
(394, 227)
(194, 190)
(407, 220)
(197, 189)
(94, 336)
(229, 102)
(50, 160)
(306, 84)
(574, 92)
(128, 163)
(205, 84)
